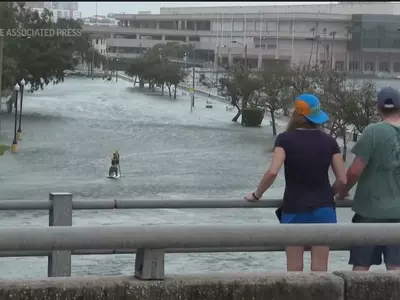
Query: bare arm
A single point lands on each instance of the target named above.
(270, 175)
(353, 175)
(339, 169)
(363, 150)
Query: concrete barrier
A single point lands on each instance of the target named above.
(370, 285)
(252, 286)
(283, 286)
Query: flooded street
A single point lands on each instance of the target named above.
(167, 152)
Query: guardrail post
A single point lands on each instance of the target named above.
(60, 214)
(149, 264)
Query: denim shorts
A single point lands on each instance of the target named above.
(366, 256)
(318, 215)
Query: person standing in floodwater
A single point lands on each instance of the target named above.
(307, 153)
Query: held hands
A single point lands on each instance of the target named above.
(342, 196)
(251, 197)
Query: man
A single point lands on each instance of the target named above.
(376, 168)
(115, 167)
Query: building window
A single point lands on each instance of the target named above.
(369, 66)
(396, 67)
(354, 66)
(194, 39)
(339, 66)
(271, 47)
(384, 66)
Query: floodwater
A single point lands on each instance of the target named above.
(167, 152)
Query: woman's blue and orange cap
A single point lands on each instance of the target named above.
(309, 106)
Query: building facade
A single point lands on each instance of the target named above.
(352, 36)
(375, 43)
(67, 10)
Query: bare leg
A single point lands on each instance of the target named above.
(319, 258)
(360, 268)
(392, 268)
(294, 259)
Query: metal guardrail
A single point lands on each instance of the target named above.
(150, 243)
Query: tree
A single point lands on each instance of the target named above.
(172, 50)
(136, 69)
(304, 79)
(173, 76)
(40, 60)
(228, 87)
(275, 85)
(240, 85)
(156, 69)
(349, 103)
(363, 110)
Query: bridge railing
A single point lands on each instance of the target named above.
(150, 243)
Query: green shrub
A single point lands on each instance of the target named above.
(3, 149)
(252, 116)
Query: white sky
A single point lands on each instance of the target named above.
(103, 8)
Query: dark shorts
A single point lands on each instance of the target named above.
(366, 256)
(318, 215)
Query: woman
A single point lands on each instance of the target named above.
(307, 152)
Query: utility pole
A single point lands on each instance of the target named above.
(1, 71)
(93, 49)
(92, 64)
(246, 74)
(216, 67)
(193, 77)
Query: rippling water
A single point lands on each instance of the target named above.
(167, 152)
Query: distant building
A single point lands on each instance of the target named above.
(67, 10)
(359, 37)
(100, 20)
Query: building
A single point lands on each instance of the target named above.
(352, 36)
(100, 21)
(67, 10)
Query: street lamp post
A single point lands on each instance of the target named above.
(246, 70)
(92, 63)
(19, 132)
(185, 59)
(1, 70)
(116, 69)
(193, 77)
(14, 146)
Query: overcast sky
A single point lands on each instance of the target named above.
(103, 8)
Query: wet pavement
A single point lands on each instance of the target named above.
(167, 152)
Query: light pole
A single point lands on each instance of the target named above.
(193, 77)
(1, 70)
(19, 132)
(185, 59)
(116, 69)
(14, 146)
(92, 64)
(245, 74)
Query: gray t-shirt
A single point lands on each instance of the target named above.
(378, 190)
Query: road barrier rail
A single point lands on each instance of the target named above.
(150, 242)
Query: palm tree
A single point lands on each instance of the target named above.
(312, 46)
(332, 34)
